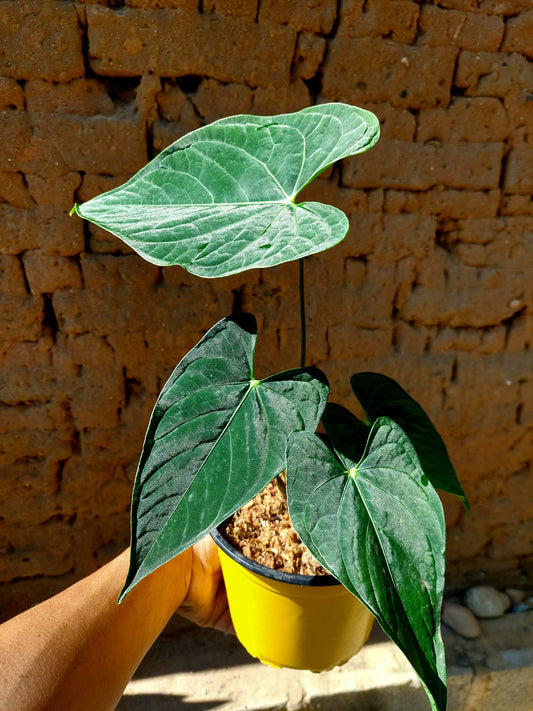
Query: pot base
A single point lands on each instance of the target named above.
(314, 626)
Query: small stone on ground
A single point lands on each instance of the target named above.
(461, 620)
(486, 602)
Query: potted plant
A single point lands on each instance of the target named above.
(361, 495)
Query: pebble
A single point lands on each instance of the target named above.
(485, 601)
(461, 620)
(515, 596)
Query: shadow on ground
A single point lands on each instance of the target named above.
(162, 702)
(203, 649)
(199, 650)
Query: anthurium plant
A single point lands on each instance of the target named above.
(362, 497)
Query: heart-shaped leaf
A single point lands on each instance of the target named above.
(381, 396)
(220, 200)
(346, 430)
(377, 525)
(216, 438)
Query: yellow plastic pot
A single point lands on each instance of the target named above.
(285, 620)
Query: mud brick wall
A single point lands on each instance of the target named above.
(433, 284)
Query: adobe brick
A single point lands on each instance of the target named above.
(519, 106)
(45, 228)
(38, 549)
(411, 339)
(416, 166)
(518, 176)
(95, 144)
(475, 340)
(97, 482)
(15, 138)
(18, 230)
(491, 73)
(488, 7)
(60, 235)
(152, 310)
(189, 119)
(281, 99)
(518, 338)
(235, 7)
(55, 144)
(394, 122)
(12, 279)
(26, 356)
(170, 101)
(503, 374)
(355, 287)
(396, 19)
(29, 484)
(111, 308)
(521, 532)
(372, 70)
(516, 205)
(98, 393)
(508, 232)
(506, 7)
(104, 270)
(98, 540)
(214, 100)
(177, 43)
(454, 204)
(508, 250)
(57, 192)
(28, 325)
(518, 34)
(46, 273)
(476, 120)
(145, 97)
(389, 237)
(159, 4)
(33, 384)
(32, 416)
(371, 343)
(52, 31)
(452, 28)
(93, 185)
(86, 97)
(14, 190)
(345, 199)
(310, 15)
(131, 350)
(11, 94)
(446, 339)
(309, 54)
(471, 297)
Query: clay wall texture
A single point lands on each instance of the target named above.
(432, 286)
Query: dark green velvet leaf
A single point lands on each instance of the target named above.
(346, 430)
(216, 437)
(381, 396)
(221, 199)
(377, 525)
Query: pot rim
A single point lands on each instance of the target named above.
(266, 572)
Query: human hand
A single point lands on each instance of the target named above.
(205, 603)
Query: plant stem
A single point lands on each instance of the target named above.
(302, 312)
